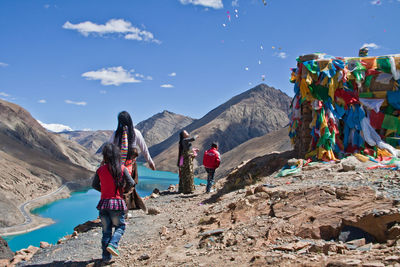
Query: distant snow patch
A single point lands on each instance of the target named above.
(55, 127)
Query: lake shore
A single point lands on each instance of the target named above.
(33, 222)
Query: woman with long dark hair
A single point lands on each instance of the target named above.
(127, 137)
(185, 162)
(111, 179)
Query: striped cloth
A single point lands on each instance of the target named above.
(124, 144)
(111, 204)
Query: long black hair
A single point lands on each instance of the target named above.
(124, 119)
(181, 137)
(112, 158)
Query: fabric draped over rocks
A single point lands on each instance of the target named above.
(346, 104)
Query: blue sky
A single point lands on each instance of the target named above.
(80, 62)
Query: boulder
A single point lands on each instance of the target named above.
(153, 211)
(208, 220)
(373, 264)
(171, 187)
(44, 244)
(24, 254)
(144, 257)
(87, 226)
(350, 163)
(316, 213)
(357, 243)
(164, 231)
(345, 263)
(156, 191)
(154, 195)
(5, 251)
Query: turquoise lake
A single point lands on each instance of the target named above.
(81, 207)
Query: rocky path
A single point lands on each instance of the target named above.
(326, 215)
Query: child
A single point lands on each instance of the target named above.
(211, 161)
(110, 180)
(132, 199)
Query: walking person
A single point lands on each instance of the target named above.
(111, 179)
(185, 162)
(211, 161)
(127, 137)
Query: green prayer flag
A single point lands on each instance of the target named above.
(384, 64)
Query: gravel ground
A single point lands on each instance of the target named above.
(175, 236)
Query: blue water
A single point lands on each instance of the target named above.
(81, 207)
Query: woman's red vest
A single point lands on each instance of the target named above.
(107, 183)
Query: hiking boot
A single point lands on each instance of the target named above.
(113, 251)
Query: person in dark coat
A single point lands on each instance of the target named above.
(185, 162)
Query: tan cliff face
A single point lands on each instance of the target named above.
(91, 140)
(161, 126)
(251, 114)
(34, 162)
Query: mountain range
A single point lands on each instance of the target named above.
(155, 129)
(251, 114)
(161, 126)
(34, 161)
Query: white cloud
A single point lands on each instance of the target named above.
(235, 3)
(46, 6)
(370, 45)
(376, 2)
(167, 86)
(42, 101)
(217, 4)
(113, 26)
(282, 55)
(2, 64)
(103, 92)
(55, 127)
(141, 76)
(112, 76)
(4, 94)
(173, 74)
(81, 103)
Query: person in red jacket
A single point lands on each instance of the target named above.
(211, 161)
(111, 179)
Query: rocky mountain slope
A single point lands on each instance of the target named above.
(254, 113)
(33, 161)
(91, 140)
(276, 141)
(161, 126)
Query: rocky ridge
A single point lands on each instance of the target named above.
(253, 113)
(34, 162)
(162, 125)
(91, 140)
